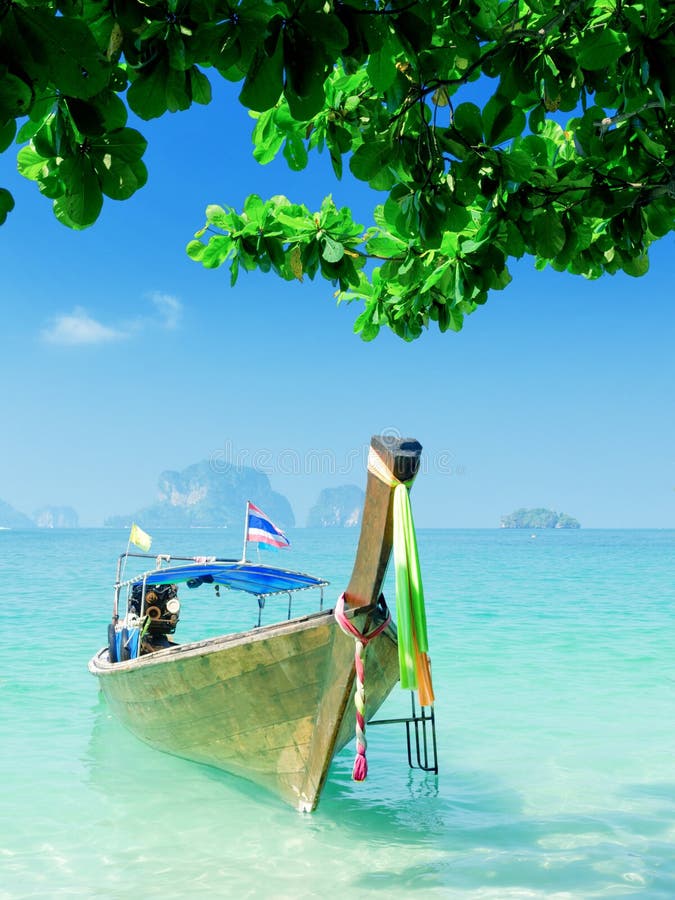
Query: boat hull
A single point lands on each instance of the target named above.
(272, 705)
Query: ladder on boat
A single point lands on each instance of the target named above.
(420, 729)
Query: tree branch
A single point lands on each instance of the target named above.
(605, 124)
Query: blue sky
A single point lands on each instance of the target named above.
(120, 358)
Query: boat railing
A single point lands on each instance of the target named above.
(261, 598)
(133, 617)
(160, 559)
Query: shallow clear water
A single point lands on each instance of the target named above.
(554, 669)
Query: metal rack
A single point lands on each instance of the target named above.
(416, 727)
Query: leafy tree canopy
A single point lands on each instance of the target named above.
(570, 159)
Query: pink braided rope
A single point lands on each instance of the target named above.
(360, 770)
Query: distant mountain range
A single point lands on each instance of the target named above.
(205, 496)
(47, 517)
(202, 495)
(538, 518)
(340, 507)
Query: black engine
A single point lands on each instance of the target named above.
(161, 606)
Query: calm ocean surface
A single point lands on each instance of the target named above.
(554, 669)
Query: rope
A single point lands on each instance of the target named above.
(361, 641)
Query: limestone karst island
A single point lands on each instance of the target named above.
(538, 518)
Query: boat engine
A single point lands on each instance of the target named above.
(162, 606)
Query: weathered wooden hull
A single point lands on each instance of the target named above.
(272, 705)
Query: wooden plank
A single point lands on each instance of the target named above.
(401, 457)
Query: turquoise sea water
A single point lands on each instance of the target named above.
(554, 667)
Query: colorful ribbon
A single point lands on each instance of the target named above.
(411, 620)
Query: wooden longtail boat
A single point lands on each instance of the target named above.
(273, 704)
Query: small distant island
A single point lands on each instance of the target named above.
(339, 507)
(47, 517)
(538, 518)
(56, 517)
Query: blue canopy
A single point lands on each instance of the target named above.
(254, 579)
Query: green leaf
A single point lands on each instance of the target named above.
(442, 272)
(381, 67)
(537, 117)
(176, 47)
(95, 116)
(295, 153)
(659, 219)
(217, 251)
(178, 90)
(502, 120)
(637, 266)
(81, 204)
(200, 86)
(652, 147)
(15, 95)
(76, 65)
(333, 250)
(7, 132)
(264, 80)
(217, 44)
(456, 217)
(119, 179)
(216, 215)
(30, 163)
(195, 250)
(600, 48)
(455, 319)
(6, 204)
(147, 94)
(549, 233)
(305, 64)
(518, 165)
(364, 324)
(265, 152)
(125, 144)
(385, 245)
(469, 122)
(295, 262)
(367, 162)
(254, 210)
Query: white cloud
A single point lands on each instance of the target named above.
(79, 328)
(169, 308)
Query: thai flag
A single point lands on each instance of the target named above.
(260, 528)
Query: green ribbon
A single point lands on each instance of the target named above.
(411, 619)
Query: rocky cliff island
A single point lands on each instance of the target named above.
(56, 517)
(538, 518)
(206, 496)
(12, 518)
(46, 517)
(339, 507)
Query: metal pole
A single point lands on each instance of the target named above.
(243, 555)
(126, 556)
(145, 579)
(118, 578)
